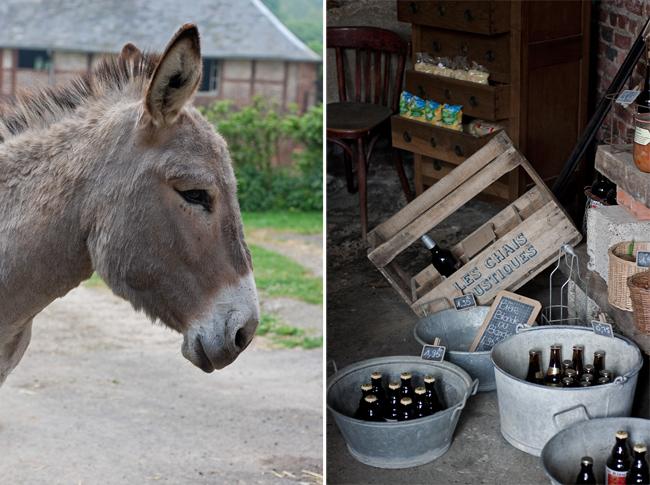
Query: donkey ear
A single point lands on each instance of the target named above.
(130, 52)
(176, 77)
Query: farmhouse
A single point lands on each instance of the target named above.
(246, 49)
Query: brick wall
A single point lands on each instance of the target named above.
(619, 22)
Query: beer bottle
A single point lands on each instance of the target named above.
(361, 409)
(588, 378)
(535, 374)
(373, 411)
(406, 388)
(554, 372)
(566, 365)
(392, 402)
(433, 398)
(567, 382)
(577, 359)
(608, 374)
(586, 475)
(573, 375)
(589, 370)
(602, 380)
(639, 473)
(378, 388)
(618, 463)
(405, 409)
(420, 405)
(441, 258)
(599, 361)
(584, 383)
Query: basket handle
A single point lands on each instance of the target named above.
(569, 416)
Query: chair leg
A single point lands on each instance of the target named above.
(399, 167)
(349, 176)
(361, 178)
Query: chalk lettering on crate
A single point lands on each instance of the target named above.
(508, 315)
(464, 302)
(435, 353)
(602, 328)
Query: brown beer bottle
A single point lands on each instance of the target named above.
(554, 372)
(573, 375)
(405, 409)
(373, 410)
(586, 475)
(432, 396)
(420, 405)
(589, 370)
(607, 374)
(361, 409)
(567, 382)
(406, 388)
(566, 365)
(378, 388)
(618, 463)
(577, 359)
(588, 378)
(535, 374)
(392, 402)
(599, 361)
(639, 473)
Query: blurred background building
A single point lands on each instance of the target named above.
(246, 50)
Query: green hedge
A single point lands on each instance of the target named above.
(253, 133)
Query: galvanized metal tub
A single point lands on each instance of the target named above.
(398, 444)
(531, 414)
(595, 438)
(457, 329)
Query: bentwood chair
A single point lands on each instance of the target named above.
(362, 114)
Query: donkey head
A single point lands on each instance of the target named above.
(168, 235)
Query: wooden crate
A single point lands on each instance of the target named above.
(503, 254)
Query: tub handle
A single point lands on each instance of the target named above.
(620, 380)
(333, 364)
(572, 415)
(473, 389)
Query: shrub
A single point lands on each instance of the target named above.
(253, 133)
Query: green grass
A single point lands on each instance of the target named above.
(94, 281)
(277, 275)
(286, 336)
(299, 222)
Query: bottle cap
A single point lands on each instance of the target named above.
(420, 390)
(621, 434)
(603, 380)
(428, 242)
(556, 347)
(640, 447)
(567, 381)
(587, 460)
(393, 385)
(579, 347)
(366, 387)
(406, 401)
(405, 375)
(585, 383)
(567, 362)
(429, 379)
(370, 398)
(532, 352)
(606, 373)
(587, 377)
(589, 368)
(599, 353)
(571, 372)
(375, 375)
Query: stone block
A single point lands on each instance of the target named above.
(607, 226)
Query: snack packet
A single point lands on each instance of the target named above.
(432, 111)
(417, 108)
(482, 128)
(405, 100)
(452, 116)
(478, 74)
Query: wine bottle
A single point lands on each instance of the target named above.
(441, 258)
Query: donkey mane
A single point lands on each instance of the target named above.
(42, 106)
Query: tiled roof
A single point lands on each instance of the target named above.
(240, 29)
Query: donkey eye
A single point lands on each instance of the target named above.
(197, 197)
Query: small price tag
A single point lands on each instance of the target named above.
(643, 259)
(602, 328)
(627, 97)
(464, 302)
(433, 352)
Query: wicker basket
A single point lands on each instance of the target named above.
(639, 286)
(620, 269)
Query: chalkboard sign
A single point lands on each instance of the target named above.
(433, 352)
(464, 302)
(602, 328)
(627, 97)
(509, 313)
(643, 259)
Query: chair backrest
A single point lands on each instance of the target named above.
(380, 56)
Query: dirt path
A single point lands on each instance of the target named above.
(305, 249)
(103, 396)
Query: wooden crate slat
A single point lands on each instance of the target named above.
(386, 252)
(448, 184)
(536, 232)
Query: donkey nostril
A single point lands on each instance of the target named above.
(240, 339)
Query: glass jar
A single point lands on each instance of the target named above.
(641, 150)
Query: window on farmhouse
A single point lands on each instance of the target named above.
(39, 60)
(210, 81)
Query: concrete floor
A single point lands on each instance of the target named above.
(366, 318)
